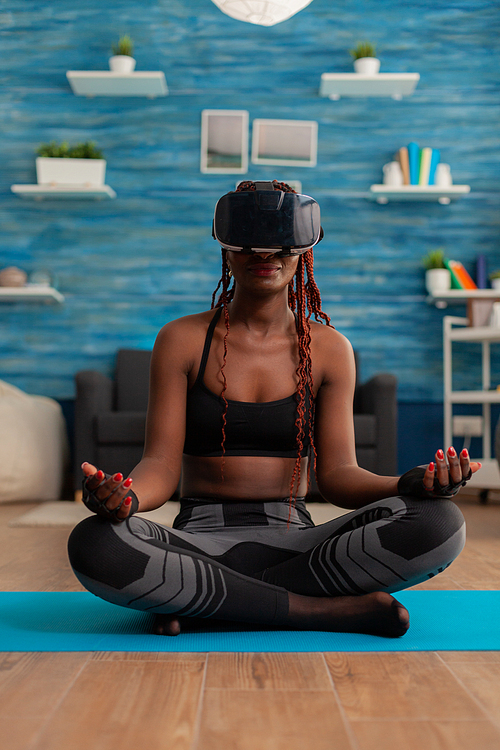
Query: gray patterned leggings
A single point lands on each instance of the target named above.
(238, 561)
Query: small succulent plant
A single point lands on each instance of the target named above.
(363, 49)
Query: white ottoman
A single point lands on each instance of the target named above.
(33, 446)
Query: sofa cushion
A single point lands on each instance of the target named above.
(365, 429)
(33, 446)
(132, 379)
(125, 427)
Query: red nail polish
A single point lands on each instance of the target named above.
(127, 500)
(100, 475)
(440, 454)
(128, 482)
(431, 466)
(118, 477)
(452, 451)
(465, 453)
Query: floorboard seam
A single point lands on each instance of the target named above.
(345, 719)
(492, 719)
(57, 704)
(197, 722)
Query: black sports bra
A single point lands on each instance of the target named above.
(252, 429)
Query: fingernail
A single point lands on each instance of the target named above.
(465, 453)
(118, 477)
(127, 500)
(431, 466)
(128, 482)
(452, 451)
(440, 454)
(100, 474)
(84, 464)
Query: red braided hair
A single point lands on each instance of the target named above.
(304, 300)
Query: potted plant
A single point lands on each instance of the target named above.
(437, 276)
(495, 279)
(62, 164)
(122, 60)
(365, 61)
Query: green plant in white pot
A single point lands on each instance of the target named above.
(437, 276)
(61, 164)
(365, 60)
(122, 60)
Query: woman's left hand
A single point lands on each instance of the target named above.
(444, 478)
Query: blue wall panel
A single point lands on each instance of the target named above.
(128, 266)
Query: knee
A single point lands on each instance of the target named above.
(443, 527)
(101, 552)
(427, 526)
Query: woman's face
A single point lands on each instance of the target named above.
(262, 272)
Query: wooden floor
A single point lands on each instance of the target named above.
(347, 701)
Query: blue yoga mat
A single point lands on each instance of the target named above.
(79, 621)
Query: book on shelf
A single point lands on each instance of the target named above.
(402, 157)
(481, 272)
(425, 166)
(414, 162)
(460, 278)
(435, 158)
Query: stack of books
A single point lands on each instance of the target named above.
(418, 164)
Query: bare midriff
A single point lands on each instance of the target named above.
(245, 477)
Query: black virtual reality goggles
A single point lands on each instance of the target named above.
(267, 220)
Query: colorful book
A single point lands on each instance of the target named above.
(460, 272)
(435, 159)
(425, 166)
(414, 161)
(402, 157)
(455, 281)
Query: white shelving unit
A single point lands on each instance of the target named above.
(30, 293)
(457, 330)
(64, 192)
(385, 193)
(395, 85)
(107, 83)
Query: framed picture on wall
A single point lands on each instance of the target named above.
(291, 143)
(224, 141)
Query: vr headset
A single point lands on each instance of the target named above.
(267, 220)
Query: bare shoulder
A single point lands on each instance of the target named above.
(331, 352)
(182, 338)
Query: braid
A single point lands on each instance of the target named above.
(304, 300)
(226, 296)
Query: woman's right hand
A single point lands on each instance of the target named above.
(114, 491)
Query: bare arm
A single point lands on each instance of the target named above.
(156, 476)
(340, 479)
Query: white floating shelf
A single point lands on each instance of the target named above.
(30, 293)
(457, 296)
(395, 85)
(444, 195)
(64, 192)
(106, 83)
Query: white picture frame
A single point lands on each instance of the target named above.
(290, 143)
(224, 141)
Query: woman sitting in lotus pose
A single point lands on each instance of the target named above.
(245, 400)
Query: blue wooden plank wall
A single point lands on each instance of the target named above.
(128, 266)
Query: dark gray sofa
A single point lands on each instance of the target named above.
(110, 418)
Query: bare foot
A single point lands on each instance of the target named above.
(166, 625)
(378, 613)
